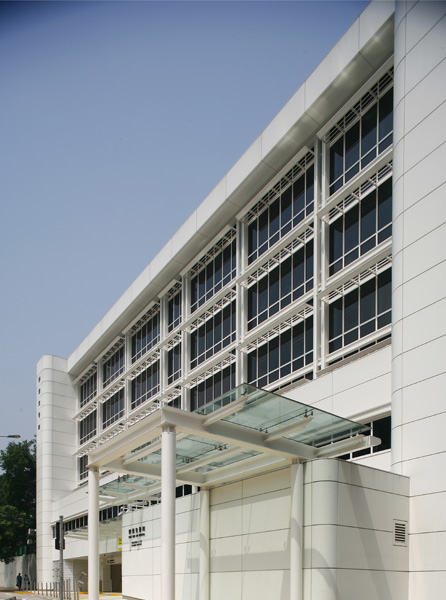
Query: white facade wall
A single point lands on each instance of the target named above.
(349, 513)
(419, 291)
(346, 550)
(56, 442)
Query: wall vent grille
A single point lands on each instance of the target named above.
(400, 533)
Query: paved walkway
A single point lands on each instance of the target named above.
(11, 594)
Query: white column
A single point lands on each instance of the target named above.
(204, 544)
(241, 305)
(93, 533)
(168, 468)
(296, 532)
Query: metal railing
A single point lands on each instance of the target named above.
(52, 589)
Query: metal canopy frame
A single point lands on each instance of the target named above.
(244, 432)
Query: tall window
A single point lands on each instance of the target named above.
(145, 338)
(113, 408)
(214, 387)
(217, 273)
(281, 286)
(83, 467)
(114, 366)
(174, 311)
(87, 428)
(361, 312)
(278, 357)
(146, 385)
(214, 335)
(363, 141)
(88, 389)
(361, 227)
(291, 207)
(173, 364)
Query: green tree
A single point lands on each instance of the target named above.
(17, 494)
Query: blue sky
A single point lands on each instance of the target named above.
(118, 118)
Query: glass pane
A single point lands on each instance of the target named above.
(351, 228)
(352, 146)
(384, 291)
(351, 310)
(385, 204)
(336, 239)
(368, 134)
(368, 296)
(337, 159)
(368, 216)
(386, 114)
(335, 318)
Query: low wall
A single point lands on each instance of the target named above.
(25, 564)
(348, 538)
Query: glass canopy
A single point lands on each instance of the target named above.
(242, 432)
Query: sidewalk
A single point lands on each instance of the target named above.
(11, 594)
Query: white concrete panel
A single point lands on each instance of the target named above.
(425, 398)
(265, 551)
(420, 472)
(187, 557)
(426, 55)
(425, 585)
(428, 551)
(324, 547)
(373, 585)
(187, 526)
(425, 289)
(424, 177)
(226, 520)
(226, 493)
(324, 470)
(243, 167)
(425, 216)
(418, 257)
(323, 584)
(425, 137)
(226, 554)
(369, 550)
(424, 437)
(332, 64)
(425, 325)
(265, 585)
(324, 505)
(423, 16)
(266, 512)
(226, 585)
(427, 514)
(364, 398)
(211, 203)
(425, 361)
(372, 19)
(379, 460)
(426, 97)
(278, 480)
(281, 124)
(368, 367)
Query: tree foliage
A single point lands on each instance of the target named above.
(17, 493)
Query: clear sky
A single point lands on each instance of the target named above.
(117, 120)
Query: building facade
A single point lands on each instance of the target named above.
(314, 269)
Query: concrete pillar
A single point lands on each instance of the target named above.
(296, 531)
(204, 544)
(168, 469)
(93, 533)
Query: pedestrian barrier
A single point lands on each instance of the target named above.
(70, 589)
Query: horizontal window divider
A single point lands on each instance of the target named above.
(385, 158)
(86, 374)
(295, 309)
(86, 447)
(364, 341)
(115, 345)
(277, 248)
(153, 307)
(86, 410)
(211, 308)
(370, 261)
(243, 214)
(188, 270)
(143, 363)
(305, 370)
(356, 97)
(217, 363)
(170, 341)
